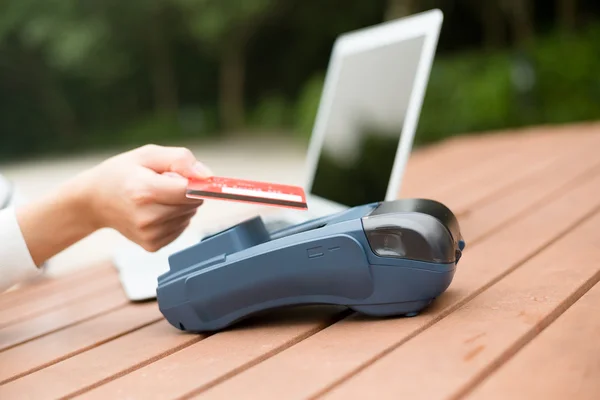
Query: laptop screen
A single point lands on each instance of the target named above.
(364, 124)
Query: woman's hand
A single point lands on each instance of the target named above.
(140, 193)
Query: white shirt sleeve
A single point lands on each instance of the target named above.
(16, 264)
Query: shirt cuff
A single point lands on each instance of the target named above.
(16, 264)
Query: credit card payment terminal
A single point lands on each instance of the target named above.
(384, 259)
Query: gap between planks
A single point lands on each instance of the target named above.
(480, 165)
(528, 336)
(124, 355)
(499, 208)
(566, 352)
(294, 340)
(62, 318)
(46, 285)
(19, 362)
(23, 312)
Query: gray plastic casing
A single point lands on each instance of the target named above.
(382, 259)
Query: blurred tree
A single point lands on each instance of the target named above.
(494, 26)
(520, 14)
(164, 80)
(399, 8)
(39, 35)
(57, 38)
(92, 73)
(492, 22)
(566, 10)
(142, 25)
(224, 28)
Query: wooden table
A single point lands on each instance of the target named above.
(521, 319)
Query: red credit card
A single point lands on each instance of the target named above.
(241, 190)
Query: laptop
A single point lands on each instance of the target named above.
(361, 140)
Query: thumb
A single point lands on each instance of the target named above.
(179, 160)
(170, 189)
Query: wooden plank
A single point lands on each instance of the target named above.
(324, 359)
(499, 178)
(39, 304)
(464, 347)
(220, 355)
(62, 317)
(482, 176)
(460, 153)
(529, 193)
(60, 345)
(101, 363)
(46, 285)
(423, 166)
(526, 193)
(561, 363)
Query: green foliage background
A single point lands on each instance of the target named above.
(82, 75)
(472, 92)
